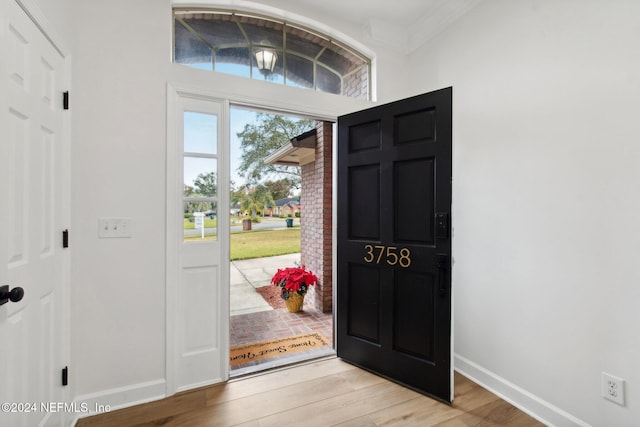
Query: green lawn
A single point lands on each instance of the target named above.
(263, 243)
(260, 243)
(208, 223)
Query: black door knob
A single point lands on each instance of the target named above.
(13, 295)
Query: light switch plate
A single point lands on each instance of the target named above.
(111, 227)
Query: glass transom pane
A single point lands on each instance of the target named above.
(299, 71)
(233, 60)
(327, 81)
(191, 51)
(217, 30)
(230, 42)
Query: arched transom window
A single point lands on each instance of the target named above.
(263, 48)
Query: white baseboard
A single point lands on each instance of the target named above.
(529, 403)
(121, 397)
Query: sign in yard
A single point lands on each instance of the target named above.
(199, 222)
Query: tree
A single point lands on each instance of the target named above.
(258, 140)
(254, 199)
(280, 188)
(205, 185)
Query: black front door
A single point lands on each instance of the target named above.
(394, 241)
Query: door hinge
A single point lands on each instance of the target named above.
(65, 238)
(65, 100)
(65, 375)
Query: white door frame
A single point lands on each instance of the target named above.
(321, 110)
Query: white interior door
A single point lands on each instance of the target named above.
(33, 213)
(197, 260)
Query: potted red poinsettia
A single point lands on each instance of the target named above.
(294, 283)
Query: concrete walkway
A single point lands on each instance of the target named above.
(247, 275)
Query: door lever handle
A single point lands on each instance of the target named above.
(443, 268)
(14, 295)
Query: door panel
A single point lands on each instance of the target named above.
(416, 126)
(414, 305)
(364, 182)
(33, 213)
(414, 186)
(394, 246)
(365, 136)
(197, 183)
(364, 308)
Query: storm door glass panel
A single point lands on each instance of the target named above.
(199, 129)
(200, 174)
(200, 218)
(200, 177)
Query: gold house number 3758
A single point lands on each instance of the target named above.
(389, 254)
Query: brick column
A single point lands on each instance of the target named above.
(315, 219)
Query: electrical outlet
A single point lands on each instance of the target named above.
(613, 388)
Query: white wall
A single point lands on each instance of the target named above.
(58, 14)
(118, 105)
(121, 67)
(546, 208)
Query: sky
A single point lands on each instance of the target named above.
(200, 131)
(198, 127)
(239, 118)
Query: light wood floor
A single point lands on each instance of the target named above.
(323, 393)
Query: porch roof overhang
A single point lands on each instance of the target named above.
(299, 151)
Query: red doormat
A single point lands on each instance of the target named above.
(278, 347)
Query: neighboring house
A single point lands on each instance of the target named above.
(234, 210)
(284, 207)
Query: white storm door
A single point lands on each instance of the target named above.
(200, 216)
(33, 213)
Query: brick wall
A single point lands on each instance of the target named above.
(356, 84)
(315, 219)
